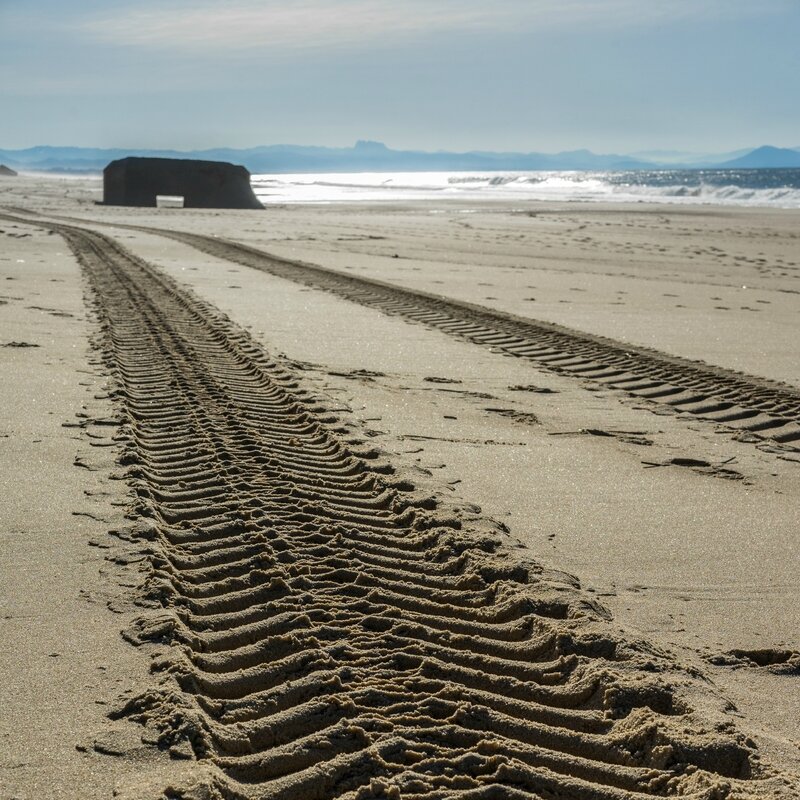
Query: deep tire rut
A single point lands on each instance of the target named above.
(330, 631)
(758, 407)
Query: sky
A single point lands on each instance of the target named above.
(613, 76)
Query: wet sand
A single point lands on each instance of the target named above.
(679, 529)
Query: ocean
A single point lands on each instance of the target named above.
(776, 188)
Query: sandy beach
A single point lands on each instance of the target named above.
(501, 501)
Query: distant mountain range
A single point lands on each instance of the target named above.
(766, 157)
(368, 156)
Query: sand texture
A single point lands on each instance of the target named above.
(333, 492)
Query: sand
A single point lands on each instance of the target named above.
(63, 662)
(680, 531)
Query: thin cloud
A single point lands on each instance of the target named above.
(308, 23)
(280, 25)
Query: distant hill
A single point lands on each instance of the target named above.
(365, 156)
(765, 158)
(368, 156)
(682, 159)
(7, 171)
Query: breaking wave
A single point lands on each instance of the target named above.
(777, 188)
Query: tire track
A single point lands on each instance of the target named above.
(334, 633)
(756, 407)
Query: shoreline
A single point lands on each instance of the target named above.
(366, 188)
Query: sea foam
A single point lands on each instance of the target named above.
(778, 188)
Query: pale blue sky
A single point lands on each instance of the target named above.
(544, 75)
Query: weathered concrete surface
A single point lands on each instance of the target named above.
(137, 181)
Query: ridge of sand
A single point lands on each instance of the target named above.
(393, 614)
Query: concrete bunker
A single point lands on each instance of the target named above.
(136, 181)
